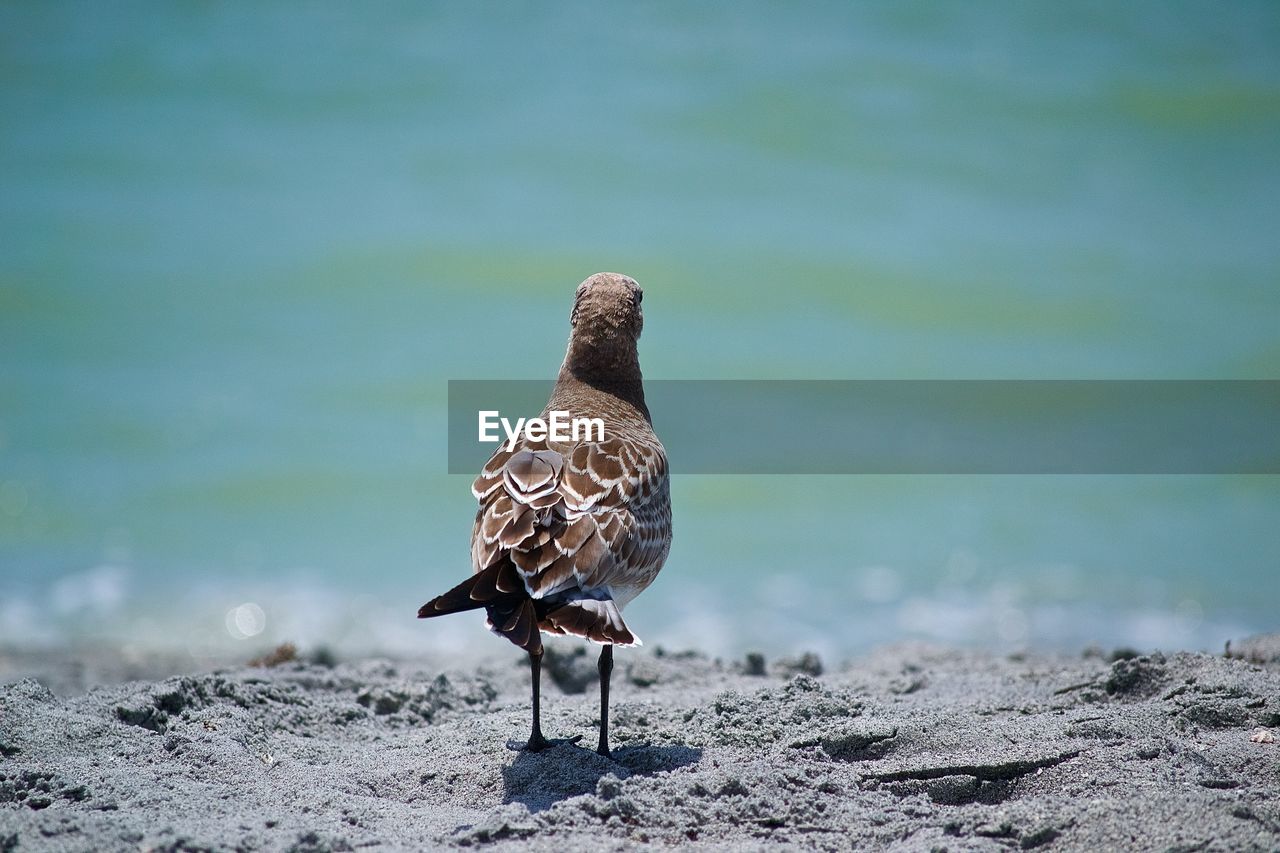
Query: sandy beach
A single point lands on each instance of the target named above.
(911, 747)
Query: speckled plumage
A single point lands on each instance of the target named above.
(567, 533)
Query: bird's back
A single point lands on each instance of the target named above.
(569, 531)
(584, 522)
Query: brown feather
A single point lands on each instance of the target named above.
(577, 620)
(518, 529)
(576, 533)
(606, 466)
(555, 575)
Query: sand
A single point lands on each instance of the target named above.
(912, 748)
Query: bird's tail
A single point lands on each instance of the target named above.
(500, 590)
(596, 620)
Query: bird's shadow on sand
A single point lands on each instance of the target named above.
(539, 780)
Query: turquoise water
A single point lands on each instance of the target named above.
(242, 250)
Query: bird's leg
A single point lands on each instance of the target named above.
(605, 666)
(537, 742)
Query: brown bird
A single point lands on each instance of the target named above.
(569, 532)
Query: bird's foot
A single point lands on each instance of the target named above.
(603, 749)
(538, 743)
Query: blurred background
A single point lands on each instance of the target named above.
(243, 247)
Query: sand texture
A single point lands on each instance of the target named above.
(911, 748)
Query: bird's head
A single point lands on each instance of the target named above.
(607, 305)
(607, 321)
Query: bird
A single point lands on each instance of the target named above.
(569, 532)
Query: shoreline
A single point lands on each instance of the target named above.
(911, 746)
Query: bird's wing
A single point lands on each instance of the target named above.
(591, 517)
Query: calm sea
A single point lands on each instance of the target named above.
(243, 247)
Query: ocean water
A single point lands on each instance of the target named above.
(244, 248)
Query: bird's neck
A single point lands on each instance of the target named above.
(605, 366)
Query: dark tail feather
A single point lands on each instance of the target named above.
(496, 583)
(517, 620)
(501, 592)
